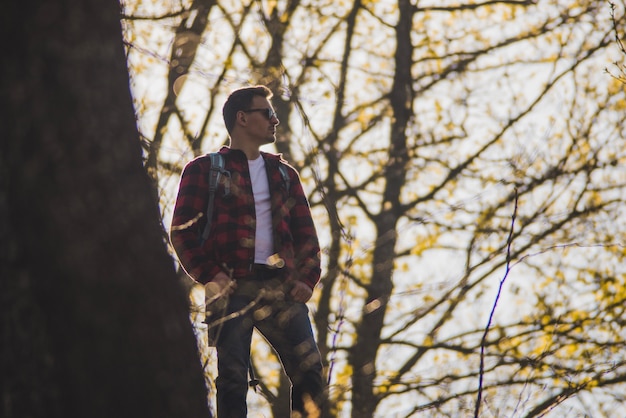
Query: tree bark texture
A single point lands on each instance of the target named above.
(94, 321)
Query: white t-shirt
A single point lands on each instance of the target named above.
(264, 246)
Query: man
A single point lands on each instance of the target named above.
(262, 252)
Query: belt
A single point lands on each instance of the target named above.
(263, 267)
(250, 267)
(264, 272)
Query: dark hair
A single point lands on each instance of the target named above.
(241, 99)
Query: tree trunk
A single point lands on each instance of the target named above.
(94, 321)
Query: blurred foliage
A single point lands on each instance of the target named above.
(415, 126)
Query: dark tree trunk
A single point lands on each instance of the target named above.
(94, 321)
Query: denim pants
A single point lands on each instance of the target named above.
(286, 326)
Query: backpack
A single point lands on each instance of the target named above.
(217, 170)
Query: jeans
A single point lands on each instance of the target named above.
(286, 326)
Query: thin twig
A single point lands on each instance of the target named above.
(493, 310)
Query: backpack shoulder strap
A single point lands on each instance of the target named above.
(217, 168)
(285, 174)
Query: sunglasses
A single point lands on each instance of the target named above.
(267, 112)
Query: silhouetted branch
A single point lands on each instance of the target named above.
(493, 309)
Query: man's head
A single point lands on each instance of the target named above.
(241, 100)
(250, 119)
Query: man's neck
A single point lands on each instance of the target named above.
(252, 152)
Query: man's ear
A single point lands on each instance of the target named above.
(241, 118)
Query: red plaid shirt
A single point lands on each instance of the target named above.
(231, 239)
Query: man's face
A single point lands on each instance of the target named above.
(261, 121)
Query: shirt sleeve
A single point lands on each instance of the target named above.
(188, 222)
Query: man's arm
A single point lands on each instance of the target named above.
(188, 220)
(306, 243)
